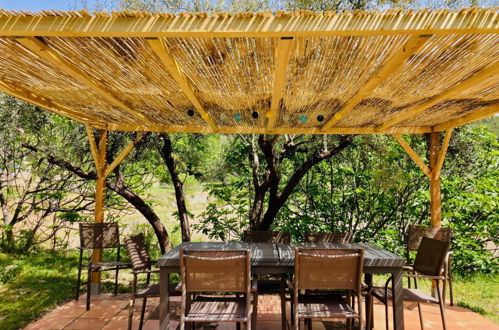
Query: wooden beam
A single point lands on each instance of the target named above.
(412, 154)
(41, 49)
(100, 193)
(435, 194)
(394, 63)
(442, 153)
(449, 93)
(27, 96)
(282, 54)
(262, 130)
(93, 147)
(161, 50)
(123, 154)
(472, 20)
(481, 113)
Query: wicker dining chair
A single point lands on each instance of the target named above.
(217, 273)
(320, 271)
(270, 284)
(328, 237)
(415, 234)
(141, 264)
(427, 265)
(99, 236)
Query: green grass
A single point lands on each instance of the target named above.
(33, 284)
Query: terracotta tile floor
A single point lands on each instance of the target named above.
(109, 312)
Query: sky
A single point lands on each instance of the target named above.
(35, 5)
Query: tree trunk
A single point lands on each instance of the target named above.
(121, 189)
(166, 152)
(140, 205)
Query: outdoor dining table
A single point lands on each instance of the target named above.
(270, 258)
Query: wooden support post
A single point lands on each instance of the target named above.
(435, 202)
(100, 192)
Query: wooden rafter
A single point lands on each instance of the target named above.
(449, 93)
(93, 147)
(392, 64)
(258, 25)
(161, 50)
(123, 154)
(412, 154)
(442, 153)
(25, 95)
(484, 112)
(41, 49)
(282, 54)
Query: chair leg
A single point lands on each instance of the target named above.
(386, 316)
(309, 324)
(130, 312)
(420, 311)
(442, 307)
(142, 312)
(116, 281)
(78, 281)
(254, 313)
(89, 279)
(283, 303)
(451, 293)
(238, 325)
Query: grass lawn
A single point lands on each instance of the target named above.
(33, 284)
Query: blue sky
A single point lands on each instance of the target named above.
(36, 5)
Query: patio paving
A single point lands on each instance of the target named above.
(111, 312)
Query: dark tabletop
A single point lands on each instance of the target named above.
(269, 254)
(373, 255)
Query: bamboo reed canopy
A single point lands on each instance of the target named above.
(286, 72)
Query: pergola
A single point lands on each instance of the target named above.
(387, 72)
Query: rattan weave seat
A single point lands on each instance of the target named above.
(324, 306)
(206, 309)
(412, 295)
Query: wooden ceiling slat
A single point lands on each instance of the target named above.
(41, 49)
(394, 63)
(455, 90)
(161, 50)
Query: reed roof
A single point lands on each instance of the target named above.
(296, 72)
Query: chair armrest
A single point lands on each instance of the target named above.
(146, 271)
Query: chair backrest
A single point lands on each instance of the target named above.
(99, 235)
(416, 233)
(137, 250)
(328, 237)
(215, 271)
(323, 269)
(267, 236)
(431, 256)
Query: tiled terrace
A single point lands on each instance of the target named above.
(108, 312)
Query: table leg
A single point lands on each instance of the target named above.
(398, 303)
(368, 278)
(283, 303)
(164, 307)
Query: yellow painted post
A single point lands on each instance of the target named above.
(435, 198)
(100, 190)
